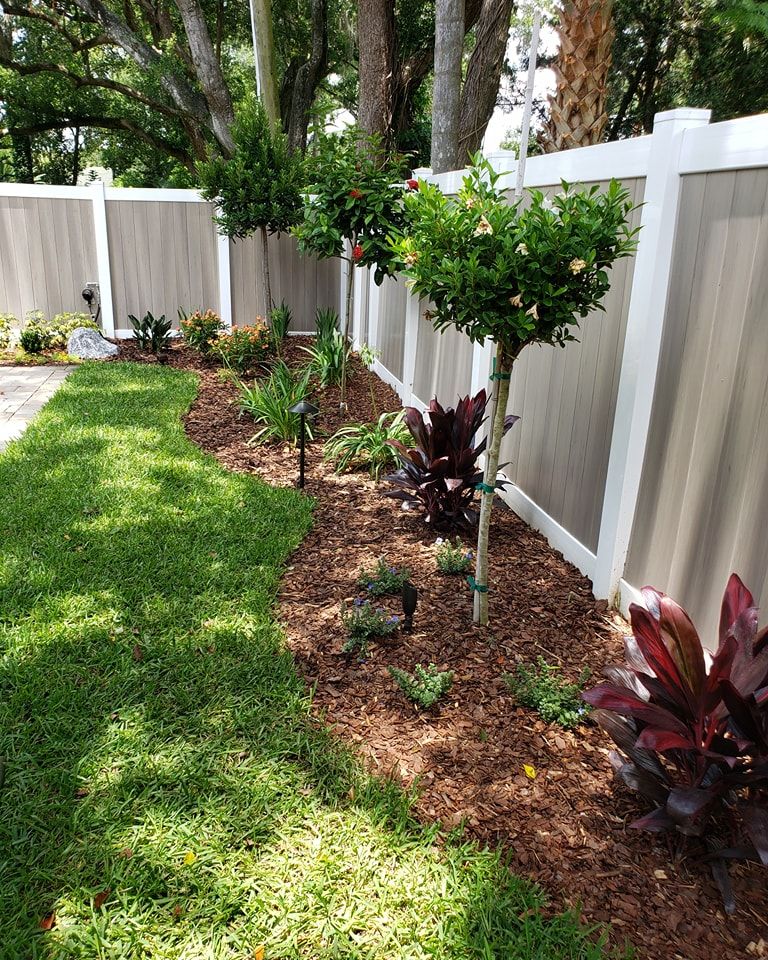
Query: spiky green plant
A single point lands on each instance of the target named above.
(367, 445)
(269, 401)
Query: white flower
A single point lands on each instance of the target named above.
(546, 203)
(516, 301)
(470, 203)
(483, 227)
(438, 541)
(577, 265)
(521, 248)
(533, 312)
(411, 258)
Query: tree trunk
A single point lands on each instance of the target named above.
(307, 78)
(481, 84)
(208, 70)
(265, 272)
(578, 114)
(503, 367)
(446, 96)
(376, 47)
(264, 52)
(75, 155)
(347, 318)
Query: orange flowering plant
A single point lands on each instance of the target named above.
(244, 347)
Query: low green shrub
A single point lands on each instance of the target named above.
(544, 688)
(7, 322)
(34, 339)
(367, 445)
(243, 348)
(201, 330)
(362, 622)
(269, 401)
(453, 557)
(327, 359)
(39, 333)
(280, 319)
(383, 578)
(151, 332)
(425, 686)
(62, 325)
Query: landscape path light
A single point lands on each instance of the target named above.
(304, 409)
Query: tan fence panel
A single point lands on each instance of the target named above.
(391, 326)
(304, 283)
(162, 256)
(702, 506)
(47, 254)
(566, 397)
(443, 363)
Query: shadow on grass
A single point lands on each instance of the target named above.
(159, 746)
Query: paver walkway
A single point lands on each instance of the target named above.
(23, 392)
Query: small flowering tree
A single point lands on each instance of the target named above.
(355, 196)
(514, 273)
(259, 187)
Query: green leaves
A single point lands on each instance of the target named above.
(518, 271)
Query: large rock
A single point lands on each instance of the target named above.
(89, 344)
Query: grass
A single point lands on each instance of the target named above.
(167, 793)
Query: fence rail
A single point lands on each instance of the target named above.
(642, 453)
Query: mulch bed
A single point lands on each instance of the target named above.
(568, 827)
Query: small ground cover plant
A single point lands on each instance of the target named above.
(269, 401)
(243, 348)
(201, 329)
(452, 557)
(542, 687)
(384, 578)
(364, 622)
(367, 445)
(425, 686)
(7, 322)
(441, 473)
(692, 730)
(151, 332)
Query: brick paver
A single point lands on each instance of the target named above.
(23, 393)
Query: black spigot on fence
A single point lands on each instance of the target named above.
(304, 409)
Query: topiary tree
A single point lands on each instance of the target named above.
(512, 272)
(259, 187)
(355, 195)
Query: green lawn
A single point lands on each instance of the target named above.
(158, 742)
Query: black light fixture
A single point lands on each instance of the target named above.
(410, 598)
(304, 409)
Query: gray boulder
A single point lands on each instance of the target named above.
(87, 344)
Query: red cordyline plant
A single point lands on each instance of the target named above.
(441, 472)
(692, 729)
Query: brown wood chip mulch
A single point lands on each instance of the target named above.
(568, 827)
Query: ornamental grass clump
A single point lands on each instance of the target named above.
(363, 622)
(512, 272)
(384, 578)
(367, 445)
(692, 729)
(269, 402)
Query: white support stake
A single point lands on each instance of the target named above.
(642, 344)
(225, 279)
(99, 204)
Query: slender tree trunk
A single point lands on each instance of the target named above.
(481, 84)
(264, 52)
(265, 272)
(76, 156)
(504, 367)
(376, 49)
(446, 98)
(347, 319)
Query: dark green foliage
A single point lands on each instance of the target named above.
(544, 688)
(269, 401)
(425, 686)
(367, 445)
(327, 358)
(33, 339)
(362, 622)
(383, 578)
(692, 731)
(280, 319)
(260, 186)
(353, 195)
(151, 332)
(441, 473)
(326, 323)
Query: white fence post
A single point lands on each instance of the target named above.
(225, 279)
(99, 202)
(642, 344)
